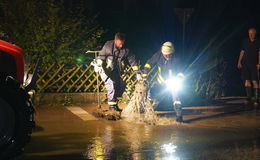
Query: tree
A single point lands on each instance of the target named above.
(49, 29)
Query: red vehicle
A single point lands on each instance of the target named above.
(16, 110)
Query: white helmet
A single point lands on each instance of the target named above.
(167, 48)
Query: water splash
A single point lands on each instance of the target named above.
(139, 109)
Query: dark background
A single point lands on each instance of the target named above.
(215, 29)
(150, 23)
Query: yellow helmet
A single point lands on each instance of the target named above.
(167, 48)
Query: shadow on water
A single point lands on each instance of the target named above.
(226, 111)
(75, 156)
(217, 108)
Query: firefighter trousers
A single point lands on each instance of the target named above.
(115, 86)
(158, 92)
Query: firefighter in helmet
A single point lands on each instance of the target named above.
(112, 58)
(166, 66)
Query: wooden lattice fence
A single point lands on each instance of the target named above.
(77, 78)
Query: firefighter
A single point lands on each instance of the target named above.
(165, 63)
(112, 58)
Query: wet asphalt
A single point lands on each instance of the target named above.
(225, 131)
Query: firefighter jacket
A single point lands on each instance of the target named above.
(113, 58)
(165, 67)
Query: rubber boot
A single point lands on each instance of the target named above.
(258, 99)
(255, 96)
(179, 119)
(154, 103)
(114, 108)
(178, 110)
(249, 93)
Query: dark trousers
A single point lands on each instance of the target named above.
(249, 72)
(160, 93)
(115, 86)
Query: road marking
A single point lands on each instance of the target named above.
(81, 113)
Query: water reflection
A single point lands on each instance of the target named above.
(138, 142)
(102, 145)
(145, 144)
(133, 142)
(136, 135)
(167, 152)
(169, 148)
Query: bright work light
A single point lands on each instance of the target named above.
(174, 83)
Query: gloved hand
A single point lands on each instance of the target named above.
(97, 65)
(144, 76)
(139, 77)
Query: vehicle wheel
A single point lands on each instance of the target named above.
(16, 120)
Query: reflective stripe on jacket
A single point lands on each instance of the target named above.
(165, 67)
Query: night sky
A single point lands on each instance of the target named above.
(149, 23)
(215, 29)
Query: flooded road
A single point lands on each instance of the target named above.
(62, 135)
